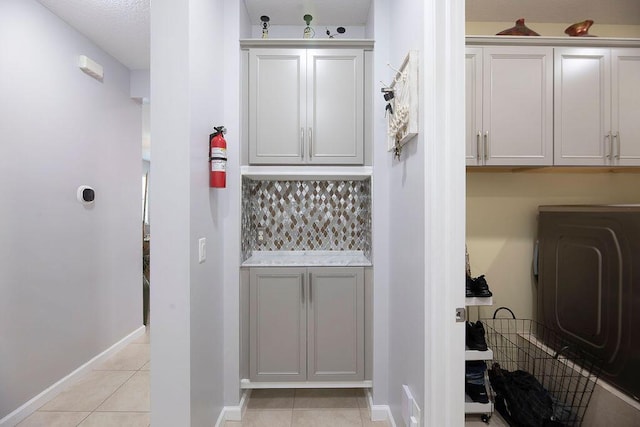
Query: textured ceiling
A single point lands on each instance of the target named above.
(120, 27)
(620, 12)
(324, 12)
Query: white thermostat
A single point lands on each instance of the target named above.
(86, 195)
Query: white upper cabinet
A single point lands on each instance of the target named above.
(306, 106)
(582, 106)
(514, 87)
(625, 106)
(597, 107)
(277, 105)
(473, 112)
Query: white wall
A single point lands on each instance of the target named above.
(378, 29)
(169, 198)
(502, 224)
(399, 216)
(235, 14)
(194, 86)
(70, 277)
(419, 209)
(206, 107)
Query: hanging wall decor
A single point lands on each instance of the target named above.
(402, 106)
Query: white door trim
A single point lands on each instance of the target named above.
(444, 53)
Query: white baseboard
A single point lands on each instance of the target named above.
(52, 391)
(247, 384)
(234, 413)
(379, 412)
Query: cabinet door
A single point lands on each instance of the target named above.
(473, 102)
(335, 116)
(277, 105)
(278, 324)
(336, 324)
(518, 105)
(625, 109)
(582, 110)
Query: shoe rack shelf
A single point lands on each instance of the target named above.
(478, 355)
(471, 407)
(476, 301)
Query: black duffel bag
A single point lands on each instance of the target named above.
(521, 399)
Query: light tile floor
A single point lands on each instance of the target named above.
(116, 394)
(307, 408)
(495, 421)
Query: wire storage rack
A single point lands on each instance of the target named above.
(538, 377)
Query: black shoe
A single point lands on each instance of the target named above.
(480, 288)
(469, 287)
(474, 370)
(477, 392)
(474, 337)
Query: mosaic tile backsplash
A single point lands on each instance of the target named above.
(306, 216)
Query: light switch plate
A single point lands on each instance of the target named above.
(202, 249)
(407, 405)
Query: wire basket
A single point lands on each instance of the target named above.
(566, 372)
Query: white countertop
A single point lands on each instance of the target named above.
(307, 259)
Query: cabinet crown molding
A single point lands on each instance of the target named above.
(365, 44)
(551, 41)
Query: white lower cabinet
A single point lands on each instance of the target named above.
(306, 324)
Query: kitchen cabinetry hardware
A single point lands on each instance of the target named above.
(608, 146)
(485, 148)
(310, 144)
(302, 144)
(616, 138)
(478, 146)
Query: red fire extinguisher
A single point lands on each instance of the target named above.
(218, 158)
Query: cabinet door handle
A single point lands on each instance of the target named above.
(302, 143)
(478, 146)
(310, 144)
(616, 138)
(486, 145)
(310, 290)
(302, 286)
(608, 143)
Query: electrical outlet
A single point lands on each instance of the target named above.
(411, 413)
(260, 235)
(407, 405)
(416, 414)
